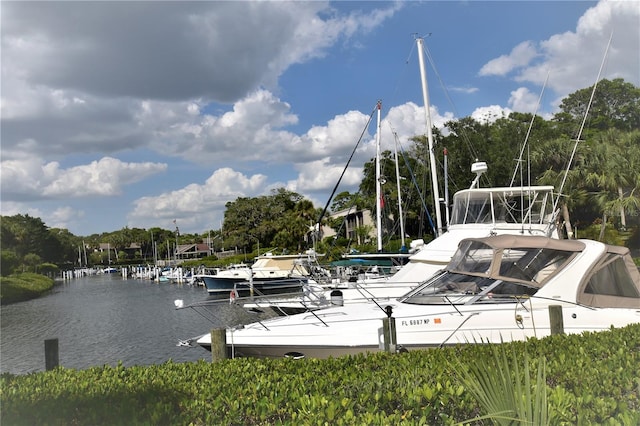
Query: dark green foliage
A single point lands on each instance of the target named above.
(616, 105)
(26, 235)
(9, 262)
(282, 220)
(590, 379)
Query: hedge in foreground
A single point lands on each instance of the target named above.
(25, 286)
(590, 379)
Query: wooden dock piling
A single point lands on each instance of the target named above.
(555, 319)
(51, 354)
(218, 344)
(389, 331)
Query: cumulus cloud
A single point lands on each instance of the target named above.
(62, 217)
(319, 176)
(12, 208)
(198, 82)
(572, 59)
(490, 114)
(252, 130)
(78, 77)
(30, 179)
(524, 101)
(196, 204)
(195, 80)
(520, 56)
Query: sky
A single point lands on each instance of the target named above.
(157, 113)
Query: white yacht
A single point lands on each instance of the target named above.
(495, 289)
(476, 212)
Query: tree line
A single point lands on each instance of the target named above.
(601, 189)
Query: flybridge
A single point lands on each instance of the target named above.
(500, 206)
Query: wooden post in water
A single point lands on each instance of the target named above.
(218, 344)
(51, 356)
(555, 319)
(389, 331)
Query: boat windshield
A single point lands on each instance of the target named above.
(532, 264)
(508, 206)
(479, 273)
(460, 289)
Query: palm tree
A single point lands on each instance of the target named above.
(613, 174)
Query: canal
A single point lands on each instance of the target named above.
(105, 319)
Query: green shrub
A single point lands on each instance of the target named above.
(590, 379)
(25, 286)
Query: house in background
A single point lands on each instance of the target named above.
(354, 220)
(192, 251)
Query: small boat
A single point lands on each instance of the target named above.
(495, 289)
(270, 274)
(109, 270)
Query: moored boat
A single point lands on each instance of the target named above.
(476, 212)
(268, 275)
(495, 289)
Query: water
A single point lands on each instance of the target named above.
(106, 319)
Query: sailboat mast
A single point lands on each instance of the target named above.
(403, 246)
(445, 154)
(432, 157)
(378, 184)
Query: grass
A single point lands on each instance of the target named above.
(24, 286)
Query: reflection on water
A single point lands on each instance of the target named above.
(106, 319)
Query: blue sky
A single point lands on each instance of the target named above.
(137, 114)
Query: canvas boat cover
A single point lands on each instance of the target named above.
(613, 281)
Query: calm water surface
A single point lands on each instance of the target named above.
(106, 319)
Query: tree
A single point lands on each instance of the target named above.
(344, 200)
(31, 261)
(616, 105)
(263, 218)
(613, 175)
(9, 262)
(28, 235)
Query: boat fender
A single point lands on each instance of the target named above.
(233, 296)
(336, 298)
(294, 355)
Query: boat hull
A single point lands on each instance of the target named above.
(334, 333)
(222, 286)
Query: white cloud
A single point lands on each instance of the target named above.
(199, 81)
(524, 101)
(490, 113)
(465, 90)
(409, 120)
(320, 176)
(520, 56)
(197, 205)
(12, 208)
(29, 179)
(63, 217)
(73, 82)
(572, 59)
